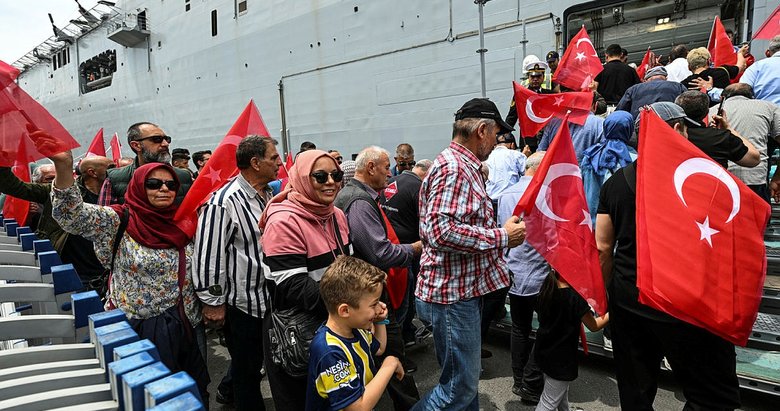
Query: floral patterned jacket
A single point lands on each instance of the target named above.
(145, 280)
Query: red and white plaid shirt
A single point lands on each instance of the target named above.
(462, 246)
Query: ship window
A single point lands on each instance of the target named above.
(186, 5)
(213, 23)
(97, 72)
(242, 6)
(142, 20)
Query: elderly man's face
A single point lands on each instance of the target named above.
(47, 174)
(152, 144)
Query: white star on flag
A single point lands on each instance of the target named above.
(558, 101)
(706, 231)
(586, 220)
(580, 56)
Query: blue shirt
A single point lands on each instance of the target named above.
(528, 267)
(583, 136)
(506, 167)
(764, 77)
(339, 368)
(643, 94)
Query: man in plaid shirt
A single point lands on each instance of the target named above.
(462, 253)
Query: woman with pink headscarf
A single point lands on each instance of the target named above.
(302, 235)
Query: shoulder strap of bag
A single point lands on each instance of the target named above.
(629, 173)
(124, 218)
(339, 241)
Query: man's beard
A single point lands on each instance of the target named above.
(158, 157)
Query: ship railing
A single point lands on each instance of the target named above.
(133, 21)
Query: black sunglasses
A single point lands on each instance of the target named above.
(156, 139)
(321, 177)
(156, 184)
(406, 163)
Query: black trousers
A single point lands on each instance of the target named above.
(525, 369)
(243, 336)
(703, 363)
(492, 304)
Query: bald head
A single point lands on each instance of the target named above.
(93, 169)
(738, 89)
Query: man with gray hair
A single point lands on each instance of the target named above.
(150, 144)
(655, 88)
(462, 253)
(229, 276)
(764, 75)
(758, 121)
(359, 199)
(528, 269)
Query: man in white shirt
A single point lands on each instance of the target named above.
(677, 69)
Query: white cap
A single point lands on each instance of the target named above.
(532, 62)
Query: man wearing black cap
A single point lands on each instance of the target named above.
(553, 58)
(704, 364)
(462, 253)
(655, 88)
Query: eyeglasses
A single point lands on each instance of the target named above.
(406, 163)
(156, 184)
(339, 159)
(156, 139)
(321, 177)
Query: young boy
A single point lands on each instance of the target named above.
(342, 373)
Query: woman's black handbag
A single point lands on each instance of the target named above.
(290, 333)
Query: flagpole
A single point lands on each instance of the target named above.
(482, 50)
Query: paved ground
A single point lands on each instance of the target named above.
(594, 390)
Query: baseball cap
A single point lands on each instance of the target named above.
(482, 108)
(656, 71)
(552, 56)
(670, 111)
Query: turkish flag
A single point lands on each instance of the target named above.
(558, 224)
(220, 168)
(116, 149)
(770, 28)
(17, 208)
(534, 110)
(700, 246)
(98, 146)
(580, 63)
(719, 46)
(647, 60)
(20, 115)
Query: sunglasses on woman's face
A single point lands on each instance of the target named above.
(321, 177)
(156, 184)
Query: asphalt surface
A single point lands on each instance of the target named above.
(594, 390)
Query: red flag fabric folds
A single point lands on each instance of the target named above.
(700, 248)
(647, 60)
(220, 168)
(558, 223)
(534, 110)
(20, 114)
(719, 45)
(98, 145)
(770, 28)
(116, 149)
(580, 63)
(17, 208)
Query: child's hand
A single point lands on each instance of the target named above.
(395, 363)
(381, 312)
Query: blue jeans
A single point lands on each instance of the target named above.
(457, 340)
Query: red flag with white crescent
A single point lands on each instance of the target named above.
(580, 63)
(534, 110)
(700, 235)
(558, 223)
(220, 168)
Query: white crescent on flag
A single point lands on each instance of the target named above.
(529, 111)
(554, 172)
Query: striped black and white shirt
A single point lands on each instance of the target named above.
(227, 248)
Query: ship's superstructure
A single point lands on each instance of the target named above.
(343, 74)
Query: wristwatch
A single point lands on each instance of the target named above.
(215, 290)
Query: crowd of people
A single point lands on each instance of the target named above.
(315, 281)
